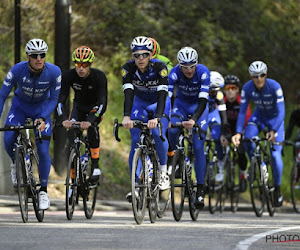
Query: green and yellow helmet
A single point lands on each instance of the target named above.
(83, 54)
(156, 47)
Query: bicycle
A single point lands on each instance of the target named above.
(295, 175)
(27, 169)
(213, 188)
(182, 184)
(260, 176)
(231, 180)
(78, 176)
(145, 175)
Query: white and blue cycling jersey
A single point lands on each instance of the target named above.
(269, 104)
(35, 97)
(269, 112)
(188, 94)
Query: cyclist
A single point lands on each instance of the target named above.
(269, 112)
(233, 101)
(217, 119)
(38, 85)
(294, 120)
(90, 100)
(156, 54)
(192, 82)
(145, 86)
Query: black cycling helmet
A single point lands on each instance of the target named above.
(232, 80)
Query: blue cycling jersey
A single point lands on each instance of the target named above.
(269, 104)
(33, 89)
(190, 90)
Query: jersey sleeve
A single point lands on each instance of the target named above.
(101, 82)
(278, 96)
(243, 109)
(54, 92)
(128, 89)
(9, 82)
(162, 88)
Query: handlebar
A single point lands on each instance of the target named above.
(196, 126)
(136, 124)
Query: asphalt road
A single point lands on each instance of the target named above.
(113, 227)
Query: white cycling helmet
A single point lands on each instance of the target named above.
(216, 80)
(187, 55)
(141, 43)
(36, 46)
(257, 68)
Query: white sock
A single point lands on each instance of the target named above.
(163, 168)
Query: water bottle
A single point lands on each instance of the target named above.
(265, 171)
(188, 166)
(27, 162)
(150, 167)
(84, 163)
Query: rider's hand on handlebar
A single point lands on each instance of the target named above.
(271, 136)
(85, 125)
(127, 122)
(224, 141)
(67, 124)
(42, 125)
(152, 123)
(188, 124)
(236, 139)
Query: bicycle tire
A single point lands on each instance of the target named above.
(139, 178)
(39, 214)
(71, 185)
(178, 185)
(90, 195)
(152, 205)
(22, 186)
(295, 187)
(194, 212)
(256, 187)
(214, 188)
(269, 192)
(234, 185)
(163, 200)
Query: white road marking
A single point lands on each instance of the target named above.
(245, 244)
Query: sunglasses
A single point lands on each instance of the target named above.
(83, 64)
(230, 88)
(144, 55)
(35, 56)
(259, 76)
(188, 67)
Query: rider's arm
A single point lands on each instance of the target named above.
(162, 88)
(128, 89)
(279, 99)
(7, 86)
(101, 92)
(55, 86)
(64, 94)
(243, 108)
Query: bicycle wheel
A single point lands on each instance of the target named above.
(22, 186)
(295, 187)
(39, 214)
(178, 185)
(214, 188)
(90, 195)
(234, 185)
(256, 187)
(139, 178)
(163, 201)
(152, 200)
(194, 212)
(71, 185)
(269, 192)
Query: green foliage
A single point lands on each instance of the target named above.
(228, 36)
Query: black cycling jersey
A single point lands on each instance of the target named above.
(150, 86)
(294, 120)
(90, 92)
